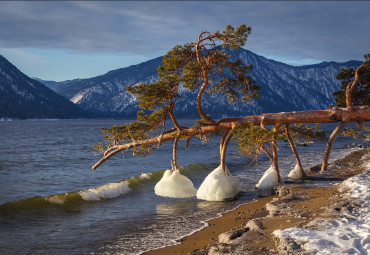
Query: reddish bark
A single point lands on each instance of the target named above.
(353, 114)
(225, 142)
(294, 150)
(274, 153)
(331, 140)
(351, 87)
(174, 153)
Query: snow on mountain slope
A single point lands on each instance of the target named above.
(284, 88)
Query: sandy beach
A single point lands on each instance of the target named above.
(298, 205)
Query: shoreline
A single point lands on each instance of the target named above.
(307, 201)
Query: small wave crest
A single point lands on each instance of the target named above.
(111, 190)
(106, 191)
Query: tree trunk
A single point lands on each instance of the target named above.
(223, 139)
(172, 116)
(331, 140)
(353, 114)
(274, 154)
(174, 154)
(351, 87)
(224, 149)
(204, 116)
(294, 150)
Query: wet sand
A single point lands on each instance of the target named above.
(260, 218)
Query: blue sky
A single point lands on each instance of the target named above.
(61, 40)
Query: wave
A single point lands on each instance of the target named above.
(103, 192)
(107, 191)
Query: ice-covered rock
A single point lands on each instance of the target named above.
(218, 186)
(174, 184)
(296, 173)
(266, 184)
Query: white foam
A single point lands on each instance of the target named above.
(145, 176)
(218, 186)
(269, 179)
(57, 199)
(174, 184)
(349, 233)
(110, 190)
(296, 173)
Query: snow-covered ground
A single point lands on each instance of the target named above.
(347, 233)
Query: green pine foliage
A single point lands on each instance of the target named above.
(361, 95)
(252, 140)
(360, 132)
(196, 65)
(304, 134)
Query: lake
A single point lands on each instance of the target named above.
(52, 202)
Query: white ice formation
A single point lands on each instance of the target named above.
(173, 184)
(296, 173)
(269, 179)
(218, 186)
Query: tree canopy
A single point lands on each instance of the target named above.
(357, 80)
(198, 65)
(204, 65)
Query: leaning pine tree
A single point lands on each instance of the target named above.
(203, 66)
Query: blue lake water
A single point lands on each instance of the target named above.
(51, 201)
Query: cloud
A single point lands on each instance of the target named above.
(290, 30)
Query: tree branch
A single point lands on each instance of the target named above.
(331, 140)
(353, 85)
(294, 149)
(223, 150)
(333, 115)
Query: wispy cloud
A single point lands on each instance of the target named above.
(288, 30)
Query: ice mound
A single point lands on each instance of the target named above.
(349, 233)
(296, 173)
(174, 184)
(218, 186)
(110, 190)
(266, 184)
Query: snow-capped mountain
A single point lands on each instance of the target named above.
(25, 98)
(284, 88)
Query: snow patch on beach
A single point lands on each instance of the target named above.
(349, 233)
(173, 184)
(218, 186)
(110, 190)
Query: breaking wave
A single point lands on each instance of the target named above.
(107, 191)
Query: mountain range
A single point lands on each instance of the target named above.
(283, 88)
(22, 97)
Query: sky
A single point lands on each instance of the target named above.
(64, 40)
